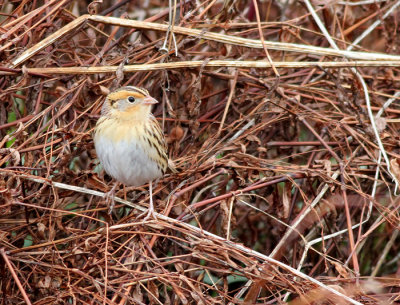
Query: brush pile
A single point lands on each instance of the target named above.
(280, 118)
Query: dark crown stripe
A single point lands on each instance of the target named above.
(134, 89)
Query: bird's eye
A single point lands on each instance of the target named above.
(131, 99)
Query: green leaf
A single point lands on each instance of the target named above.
(28, 241)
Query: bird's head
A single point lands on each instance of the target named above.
(127, 102)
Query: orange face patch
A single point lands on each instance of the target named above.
(137, 111)
(123, 94)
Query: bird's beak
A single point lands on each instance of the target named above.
(149, 100)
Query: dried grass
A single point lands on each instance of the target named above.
(286, 149)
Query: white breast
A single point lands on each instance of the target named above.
(126, 160)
